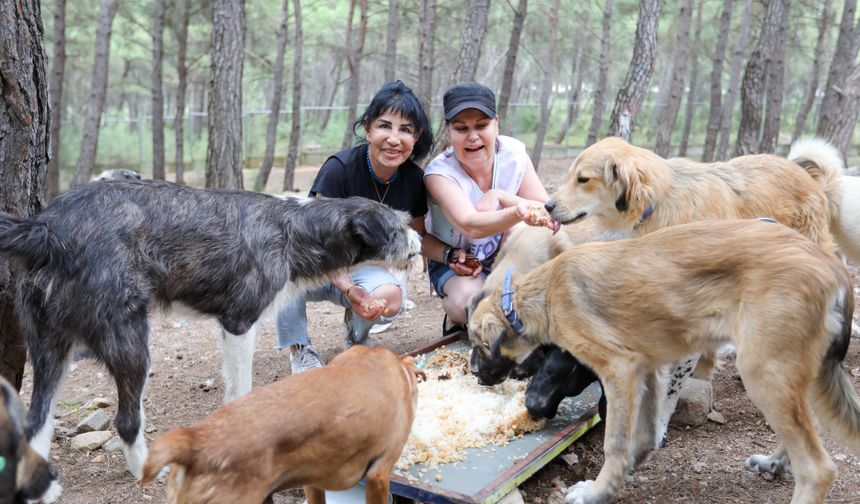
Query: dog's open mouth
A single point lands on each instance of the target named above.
(577, 217)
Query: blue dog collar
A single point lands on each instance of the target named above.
(645, 216)
(768, 219)
(508, 304)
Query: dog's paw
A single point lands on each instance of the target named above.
(51, 494)
(585, 492)
(761, 464)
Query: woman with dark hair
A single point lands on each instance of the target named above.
(381, 168)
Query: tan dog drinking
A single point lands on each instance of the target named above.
(628, 307)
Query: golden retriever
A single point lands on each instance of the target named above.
(628, 307)
(633, 190)
(324, 429)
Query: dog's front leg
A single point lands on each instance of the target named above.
(315, 495)
(237, 356)
(623, 398)
(645, 439)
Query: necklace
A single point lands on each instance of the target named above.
(376, 180)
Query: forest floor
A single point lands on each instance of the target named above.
(700, 465)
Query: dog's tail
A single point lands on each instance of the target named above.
(33, 241)
(833, 396)
(173, 447)
(824, 163)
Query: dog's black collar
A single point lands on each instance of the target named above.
(508, 304)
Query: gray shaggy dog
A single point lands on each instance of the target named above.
(93, 262)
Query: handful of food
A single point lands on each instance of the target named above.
(376, 304)
(538, 216)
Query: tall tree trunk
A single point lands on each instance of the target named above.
(715, 111)
(182, 20)
(158, 92)
(676, 87)
(25, 118)
(471, 40)
(841, 127)
(426, 62)
(335, 85)
(546, 89)
(622, 121)
(511, 64)
(844, 57)
(692, 94)
(391, 36)
(734, 77)
(224, 151)
(814, 75)
(602, 76)
(353, 58)
(275, 103)
(775, 87)
(58, 71)
(98, 90)
(576, 72)
(755, 75)
(296, 126)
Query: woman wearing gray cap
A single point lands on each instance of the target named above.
(483, 184)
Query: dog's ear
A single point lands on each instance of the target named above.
(370, 227)
(632, 183)
(620, 185)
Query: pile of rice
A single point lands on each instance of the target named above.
(455, 412)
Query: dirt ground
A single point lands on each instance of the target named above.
(700, 465)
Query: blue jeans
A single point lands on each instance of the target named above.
(291, 325)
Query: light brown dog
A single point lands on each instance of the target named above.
(24, 475)
(625, 308)
(633, 190)
(324, 429)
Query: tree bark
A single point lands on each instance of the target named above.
(775, 87)
(296, 126)
(471, 40)
(754, 81)
(25, 118)
(817, 64)
(511, 64)
(353, 59)
(426, 62)
(576, 72)
(391, 35)
(98, 91)
(182, 20)
(693, 93)
(622, 121)
(275, 103)
(546, 89)
(335, 85)
(841, 127)
(224, 151)
(844, 57)
(715, 110)
(676, 86)
(158, 92)
(734, 77)
(58, 71)
(602, 76)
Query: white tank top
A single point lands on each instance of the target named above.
(509, 168)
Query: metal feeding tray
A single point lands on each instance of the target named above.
(487, 474)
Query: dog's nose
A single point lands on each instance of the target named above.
(52, 472)
(550, 206)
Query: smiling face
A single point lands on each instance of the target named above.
(390, 138)
(473, 137)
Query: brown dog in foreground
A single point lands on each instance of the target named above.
(625, 308)
(324, 429)
(24, 475)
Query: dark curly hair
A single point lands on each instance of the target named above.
(398, 97)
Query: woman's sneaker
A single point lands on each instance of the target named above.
(304, 359)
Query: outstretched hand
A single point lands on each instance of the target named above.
(365, 305)
(536, 215)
